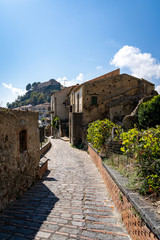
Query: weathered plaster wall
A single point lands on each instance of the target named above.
(19, 160)
(59, 103)
(78, 100)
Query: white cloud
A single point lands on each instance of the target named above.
(158, 89)
(65, 82)
(140, 64)
(10, 97)
(79, 78)
(99, 67)
(62, 80)
(1, 104)
(15, 91)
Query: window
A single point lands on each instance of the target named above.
(94, 100)
(23, 140)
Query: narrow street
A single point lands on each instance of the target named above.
(71, 202)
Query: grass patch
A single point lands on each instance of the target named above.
(125, 166)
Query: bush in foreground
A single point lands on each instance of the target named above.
(144, 147)
(98, 132)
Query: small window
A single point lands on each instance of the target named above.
(94, 100)
(23, 140)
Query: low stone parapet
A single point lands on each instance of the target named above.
(140, 219)
(45, 148)
(43, 164)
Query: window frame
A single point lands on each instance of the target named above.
(93, 102)
(22, 140)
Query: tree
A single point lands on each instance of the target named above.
(8, 105)
(149, 113)
(28, 87)
(34, 85)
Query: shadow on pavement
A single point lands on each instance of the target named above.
(22, 219)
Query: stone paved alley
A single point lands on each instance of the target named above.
(71, 202)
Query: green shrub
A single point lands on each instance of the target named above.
(56, 122)
(98, 132)
(144, 146)
(153, 181)
(149, 113)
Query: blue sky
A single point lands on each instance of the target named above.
(76, 40)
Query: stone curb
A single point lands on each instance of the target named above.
(43, 164)
(45, 148)
(65, 139)
(146, 211)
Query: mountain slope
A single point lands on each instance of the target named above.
(37, 93)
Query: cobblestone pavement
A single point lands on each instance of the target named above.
(70, 203)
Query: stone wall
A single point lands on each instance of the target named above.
(111, 97)
(19, 153)
(75, 130)
(43, 164)
(117, 97)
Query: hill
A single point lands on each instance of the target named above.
(37, 93)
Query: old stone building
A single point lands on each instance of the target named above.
(112, 96)
(52, 83)
(60, 102)
(19, 153)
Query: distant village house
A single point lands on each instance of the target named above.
(43, 109)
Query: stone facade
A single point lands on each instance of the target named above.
(51, 82)
(110, 96)
(19, 153)
(75, 129)
(60, 102)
